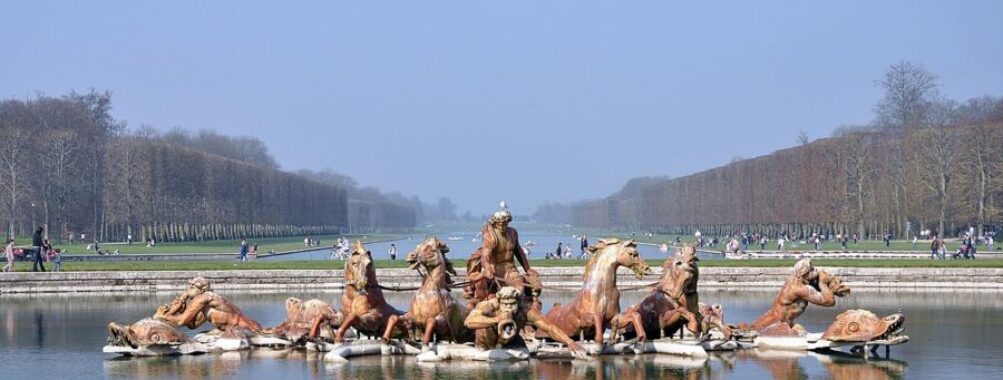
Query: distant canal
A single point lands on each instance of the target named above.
(462, 244)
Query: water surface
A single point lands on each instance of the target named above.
(954, 335)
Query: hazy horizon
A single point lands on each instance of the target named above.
(482, 102)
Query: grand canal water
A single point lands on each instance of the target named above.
(461, 245)
(955, 334)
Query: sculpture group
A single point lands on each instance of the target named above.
(502, 317)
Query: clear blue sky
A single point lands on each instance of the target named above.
(524, 101)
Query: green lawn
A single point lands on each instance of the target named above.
(214, 246)
(334, 264)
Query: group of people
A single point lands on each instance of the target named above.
(967, 249)
(41, 251)
(247, 249)
(341, 249)
(564, 251)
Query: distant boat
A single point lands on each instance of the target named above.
(454, 238)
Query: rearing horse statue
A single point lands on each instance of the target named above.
(599, 301)
(363, 304)
(433, 308)
(672, 304)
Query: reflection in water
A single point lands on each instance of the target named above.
(743, 364)
(63, 334)
(39, 330)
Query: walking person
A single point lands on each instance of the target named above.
(56, 257)
(560, 250)
(393, 251)
(37, 242)
(934, 248)
(243, 250)
(584, 245)
(8, 252)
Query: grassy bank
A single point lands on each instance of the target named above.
(216, 246)
(333, 264)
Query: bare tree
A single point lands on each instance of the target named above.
(909, 89)
(14, 151)
(59, 164)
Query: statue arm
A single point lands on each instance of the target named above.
(486, 257)
(481, 317)
(177, 304)
(191, 312)
(520, 254)
(822, 298)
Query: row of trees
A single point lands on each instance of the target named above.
(926, 162)
(384, 211)
(66, 163)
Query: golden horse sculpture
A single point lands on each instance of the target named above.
(673, 303)
(598, 302)
(363, 304)
(433, 308)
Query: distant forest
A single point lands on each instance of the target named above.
(66, 163)
(924, 163)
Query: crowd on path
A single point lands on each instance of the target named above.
(968, 242)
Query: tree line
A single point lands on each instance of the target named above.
(924, 163)
(68, 165)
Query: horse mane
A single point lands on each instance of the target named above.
(442, 248)
(600, 248)
(685, 254)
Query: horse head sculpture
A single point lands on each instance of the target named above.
(429, 256)
(359, 268)
(680, 274)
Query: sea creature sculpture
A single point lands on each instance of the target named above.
(307, 320)
(145, 332)
(598, 302)
(805, 285)
(864, 326)
(363, 304)
(433, 309)
(672, 304)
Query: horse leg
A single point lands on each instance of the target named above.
(340, 336)
(600, 329)
(391, 323)
(667, 319)
(693, 323)
(635, 319)
(430, 325)
(315, 327)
